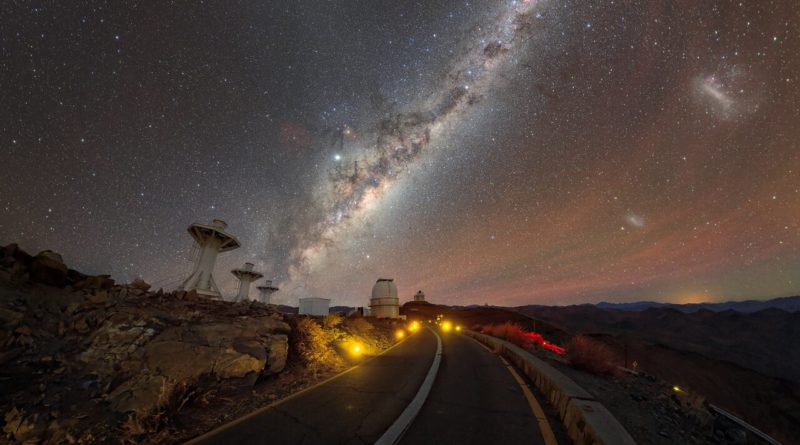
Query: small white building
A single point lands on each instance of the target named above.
(384, 302)
(419, 296)
(314, 306)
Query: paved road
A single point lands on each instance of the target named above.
(474, 400)
(354, 408)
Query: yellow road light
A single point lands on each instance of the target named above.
(400, 334)
(356, 349)
(458, 328)
(677, 388)
(413, 326)
(446, 326)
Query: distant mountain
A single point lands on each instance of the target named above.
(788, 304)
(342, 309)
(287, 309)
(293, 310)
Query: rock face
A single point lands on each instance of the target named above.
(48, 268)
(158, 361)
(74, 357)
(140, 284)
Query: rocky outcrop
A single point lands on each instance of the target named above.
(177, 355)
(48, 268)
(78, 352)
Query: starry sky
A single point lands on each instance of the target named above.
(502, 152)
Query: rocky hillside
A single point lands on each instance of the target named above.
(85, 360)
(746, 363)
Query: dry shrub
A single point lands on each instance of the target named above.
(312, 344)
(332, 320)
(172, 397)
(361, 326)
(499, 330)
(592, 355)
(517, 336)
(511, 332)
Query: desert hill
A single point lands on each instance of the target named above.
(86, 360)
(747, 363)
(788, 304)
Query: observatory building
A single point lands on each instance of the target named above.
(419, 296)
(266, 291)
(246, 275)
(314, 306)
(210, 240)
(384, 302)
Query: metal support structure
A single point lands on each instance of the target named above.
(246, 276)
(266, 291)
(211, 240)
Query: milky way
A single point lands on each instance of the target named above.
(504, 152)
(399, 140)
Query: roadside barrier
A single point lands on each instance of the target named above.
(586, 420)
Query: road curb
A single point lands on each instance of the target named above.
(586, 420)
(399, 427)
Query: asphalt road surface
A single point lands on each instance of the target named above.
(354, 408)
(474, 400)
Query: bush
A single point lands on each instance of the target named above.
(509, 331)
(519, 337)
(332, 320)
(361, 326)
(155, 425)
(514, 333)
(591, 355)
(499, 330)
(313, 346)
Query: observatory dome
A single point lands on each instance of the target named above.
(384, 288)
(384, 302)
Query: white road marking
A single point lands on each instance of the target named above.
(399, 427)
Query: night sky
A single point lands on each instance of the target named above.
(501, 152)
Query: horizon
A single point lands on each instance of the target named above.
(227, 296)
(509, 153)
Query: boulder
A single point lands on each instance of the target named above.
(48, 268)
(251, 346)
(140, 284)
(182, 361)
(233, 364)
(180, 355)
(95, 282)
(140, 395)
(74, 277)
(99, 296)
(19, 426)
(18, 255)
(278, 351)
(191, 295)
